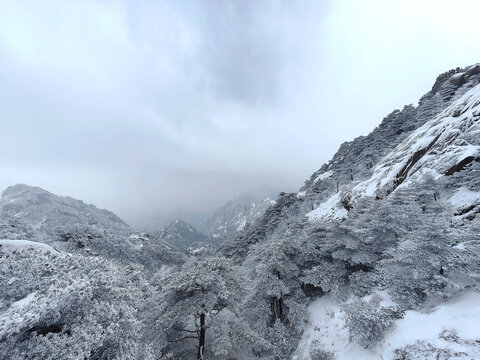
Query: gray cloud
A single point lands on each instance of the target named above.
(146, 106)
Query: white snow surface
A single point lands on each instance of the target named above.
(443, 141)
(380, 298)
(9, 246)
(325, 175)
(326, 330)
(464, 197)
(329, 210)
(17, 314)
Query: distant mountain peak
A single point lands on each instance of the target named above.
(16, 190)
(41, 208)
(182, 235)
(232, 217)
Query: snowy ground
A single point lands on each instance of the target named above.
(329, 210)
(450, 331)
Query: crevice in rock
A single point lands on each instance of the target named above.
(402, 175)
(461, 165)
(44, 329)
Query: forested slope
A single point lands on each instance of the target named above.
(382, 239)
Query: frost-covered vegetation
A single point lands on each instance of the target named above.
(380, 241)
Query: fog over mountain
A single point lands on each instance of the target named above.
(375, 257)
(239, 179)
(148, 107)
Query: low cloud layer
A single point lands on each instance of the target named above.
(145, 107)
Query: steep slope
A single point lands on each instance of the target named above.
(384, 233)
(230, 219)
(42, 209)
(328, 191)
(182, 236)
(376, 257)
(443, 146)
(355, 161)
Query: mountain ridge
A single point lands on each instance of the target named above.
(231, 218)
(375, 257)
(182, 235)
(39, 207)
(391, 217)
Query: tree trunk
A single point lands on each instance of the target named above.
(201, 338)
(276, 305)
(280, 309)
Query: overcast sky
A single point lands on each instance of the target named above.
(149, 106)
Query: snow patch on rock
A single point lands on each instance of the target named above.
(325, 175)
(330, 209)
(464, 197)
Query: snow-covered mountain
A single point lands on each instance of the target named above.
(155, 222)
(222, 223)
(373, 166)
(228, 220)
(385, 237)
(182, 235)
(31, 213)
(376, 257)
(445, 145)
(42, 209)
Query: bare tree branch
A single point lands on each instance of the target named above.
(190, 331)
(183, 338)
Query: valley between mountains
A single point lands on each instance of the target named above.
(377, 256)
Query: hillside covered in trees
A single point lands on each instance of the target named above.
(383, 238)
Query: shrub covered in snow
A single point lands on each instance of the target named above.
(58, 306)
